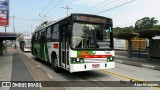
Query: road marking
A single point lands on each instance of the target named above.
(148, 66)
(50, 76)
(39, 66)
(126, 77)
(119, 61)
(120, 75)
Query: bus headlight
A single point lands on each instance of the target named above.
(109, 59)
(81, 60)
(77, 60)
(74, 60)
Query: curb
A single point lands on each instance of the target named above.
(148, 66)
(138, 64)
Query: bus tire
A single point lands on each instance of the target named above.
(36, 58)
(55, 64)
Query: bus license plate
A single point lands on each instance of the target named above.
(95, 65)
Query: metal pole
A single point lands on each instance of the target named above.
(67, 8)
(139, 49)
(5, 41)
(13, 24)
(31, 30)
(14, 41)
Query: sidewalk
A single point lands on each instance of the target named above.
(121, 57)
(16, 66)
(12, 68)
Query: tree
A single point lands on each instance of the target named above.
(156, 27)
(119, 30)
(145, 23)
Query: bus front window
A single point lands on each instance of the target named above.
(89, 36)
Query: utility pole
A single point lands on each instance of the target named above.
(67, 8)
(14, 42)
(5, 40)
(13, 24)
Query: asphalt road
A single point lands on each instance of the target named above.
(138, 73)
(120, 73)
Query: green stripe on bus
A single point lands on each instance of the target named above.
(46, 52)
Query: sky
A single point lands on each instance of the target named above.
(30, 13)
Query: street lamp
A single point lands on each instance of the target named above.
(67, 8)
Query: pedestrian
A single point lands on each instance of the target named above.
(15, 46)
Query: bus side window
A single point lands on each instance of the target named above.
(48, 34)
(43, 36)
(39, 35)
(36, 36)
(55, 33)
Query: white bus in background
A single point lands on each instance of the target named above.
(25, 43)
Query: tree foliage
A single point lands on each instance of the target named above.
(141, 24)
(119, 30)
(145, 23)
(156, 27)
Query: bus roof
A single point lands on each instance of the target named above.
(88, 17)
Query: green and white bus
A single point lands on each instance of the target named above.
(79, 42)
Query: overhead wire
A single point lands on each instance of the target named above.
(94, 6)
(47, 6)
(52, 7)
(103, 6)
(25, 19)
(42, 11)
(22, 23)
(115, 7)
(100, 6)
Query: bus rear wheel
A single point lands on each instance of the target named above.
(36, 58)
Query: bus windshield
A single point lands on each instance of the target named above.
(90, 36)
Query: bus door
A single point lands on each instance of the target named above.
(42, 43)
(32, 43)
(64, 47)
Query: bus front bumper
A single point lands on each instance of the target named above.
(91, 66)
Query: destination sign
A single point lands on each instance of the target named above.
(91, 19)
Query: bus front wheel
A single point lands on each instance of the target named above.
(55, 64)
